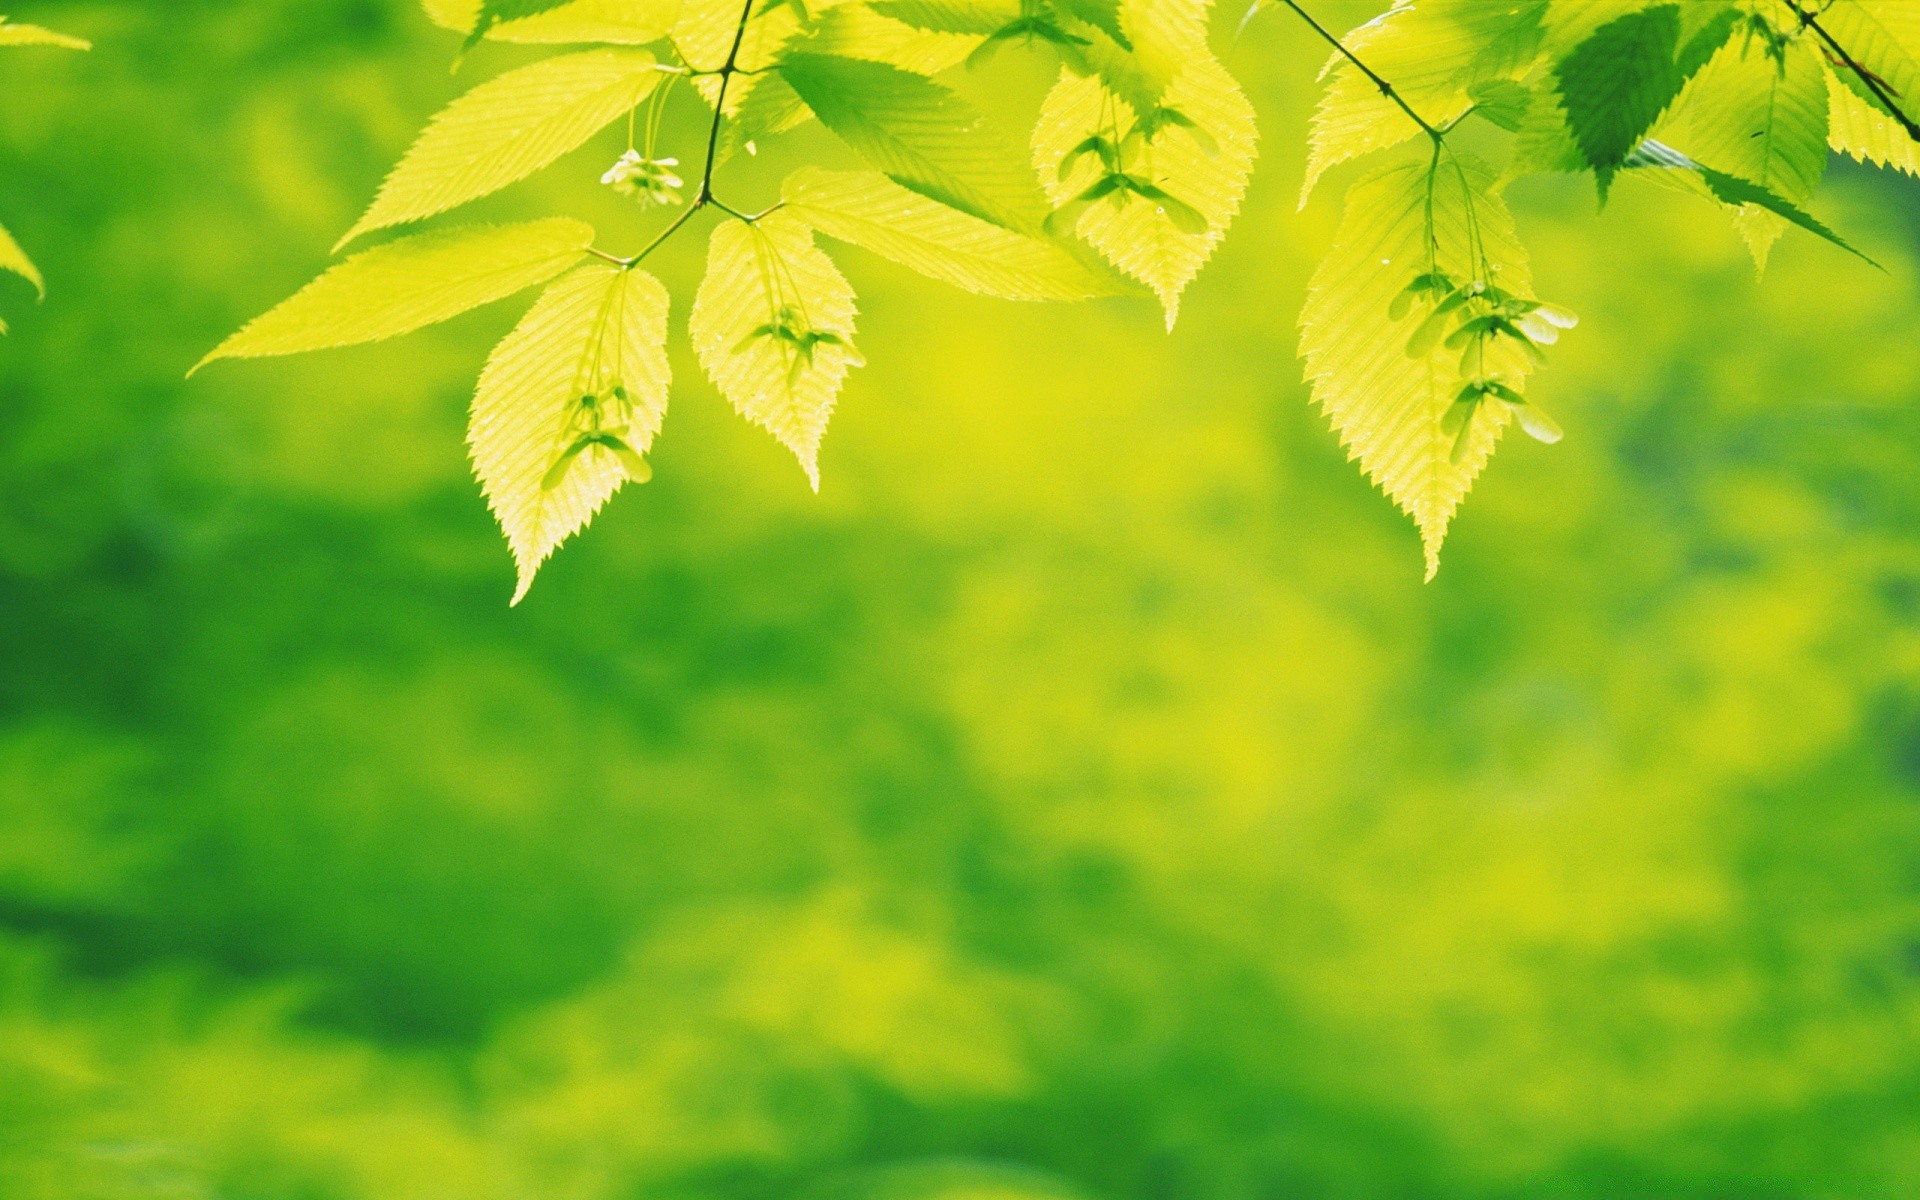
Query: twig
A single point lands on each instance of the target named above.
(704, 196)
(1386, 88)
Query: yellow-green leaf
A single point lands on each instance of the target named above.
(414, 282)
(567, 405)
(33, 35)
(874, 213)
(1882, 36)
(1433, 53)
(624, 22)
(14, 259)
(1857, 128)
(1201, 167)
(772, 325)
(1389, 404)
(858, 31)
(1762, 119)
(508, 128)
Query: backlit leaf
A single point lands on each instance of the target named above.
(872, 212)
(1883, 38)
(1857, 128)
(773, 328)
(12, 34)
(1202, 167)
(624, 22)
(1762, 119)
(1616, 84)
(14, 259)
(414, 282)
(1730, 189)
(1433, 54)
(508, 128)
(920, 133)
(1389, 404)
(567, 405)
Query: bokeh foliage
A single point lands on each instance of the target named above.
(1082, 796)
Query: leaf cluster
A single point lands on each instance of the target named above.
(1422, 326)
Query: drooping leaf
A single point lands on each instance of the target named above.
(920, 133)
(14, 34)
(568, 404)
(772, 325)
(414, 282)
(508, 128)
(1616, 84)
(620, 22)
(1761, 117)
(1198, 167)
(1388, 400)
(14, 259)
(874, 213)
(1433, 54)
(1729, 189)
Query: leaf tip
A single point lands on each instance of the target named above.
(213, 355)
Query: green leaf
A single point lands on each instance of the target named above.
(1728, 189)
(1502, 102)
(1434, 54)
(772, 325)
(918, 132)
(1762, 119)
(14, 259)
(508, 128)
(1388, 402)
(1108, 16)
(623, 22)
(1200, 170)
(547, 460)
(769, 107)
(414, 282)
(876, 214)
(1616, 84)
(12, 34)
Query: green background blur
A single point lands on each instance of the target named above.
(1082, 796)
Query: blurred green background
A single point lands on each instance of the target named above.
(1081, 797)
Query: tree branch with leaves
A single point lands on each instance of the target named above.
(1421, 328)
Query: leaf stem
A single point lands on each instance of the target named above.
(704, 197)
(727, 70)
(1386, 87)
(1811, 20)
